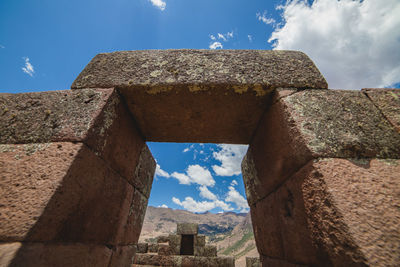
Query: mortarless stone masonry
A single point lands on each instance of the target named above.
(321, 173)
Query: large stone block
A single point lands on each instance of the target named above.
(63, 255)
(200, 240)
(187, 228)
(174, 242)
(81, 199)
(333, 212)
(310, 124)
(199, 95)
(253, 262)
(142, 247)
(122, 256)
(388, 102)
(97, 117)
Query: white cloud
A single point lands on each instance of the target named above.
(212, 37)
(355, 44)
(230, 157)
(182, 178)
(215, 45)
(201, 206)
(163, 206)
(205, 193)
(160, 172)
(234, 182)
(200, 175)
(185, 150)
(221, 36)
(250, 38)
(264, 18)
(28, 68)
(159, 4)
(195, 174)
(235, 197)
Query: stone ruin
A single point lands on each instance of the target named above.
(322, 171)
(185, 248)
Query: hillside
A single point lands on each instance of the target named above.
(231, 232)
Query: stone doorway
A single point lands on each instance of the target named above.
(76, 172)
(187, 245)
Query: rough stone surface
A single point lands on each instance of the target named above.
(187, 228)
(142, 247)
(153, 248)
(388, 102)
(199, 96)
(50, 116)
(144, 173)
(174, 242)
(271, 262)
(253, 262)
(80, 199)
(165, 250)
(316, 123)
(199, 240)
(201, 68)
(358, 222)
(336, 212)
(210, 251)
(96, 117)
(63, 255)
(182, 261)
(122, 256)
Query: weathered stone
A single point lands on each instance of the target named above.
(174, 242)
(199, 95)
(352, 209)
(187, 228)
(165, 250)
(200, 240)
(142, 247)
(97, 117)
(153, 248)
(53, 254)
(253, 262)
(183, 261)
(333, 212)
(81, 199)
(388, 102)
(122, 256)
(316, 123)
(163, 239)
(271, 262)
(198, 251)
(210, 251)
(144, 172)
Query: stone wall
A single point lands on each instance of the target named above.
(75, 178)
(322, 171)
(322, 177)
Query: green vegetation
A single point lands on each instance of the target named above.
(236, 246)
(243, 252)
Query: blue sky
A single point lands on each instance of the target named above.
(45, 44)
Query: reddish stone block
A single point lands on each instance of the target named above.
(271, 262)
(80, 199)
(144, 172)
(164, 250)
(352, 210)
(316, 123)
(122, 256)
(97, 117)
(63, 255)
(388, 102)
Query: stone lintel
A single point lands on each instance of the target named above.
(187, 228)
(199, 95)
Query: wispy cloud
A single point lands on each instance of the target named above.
(28, 68)
(250, 38)
(263, 17)
(163, 206)
(159, 4)
(195, 174)
(201, 206)
(235, 197)
(215, 45)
